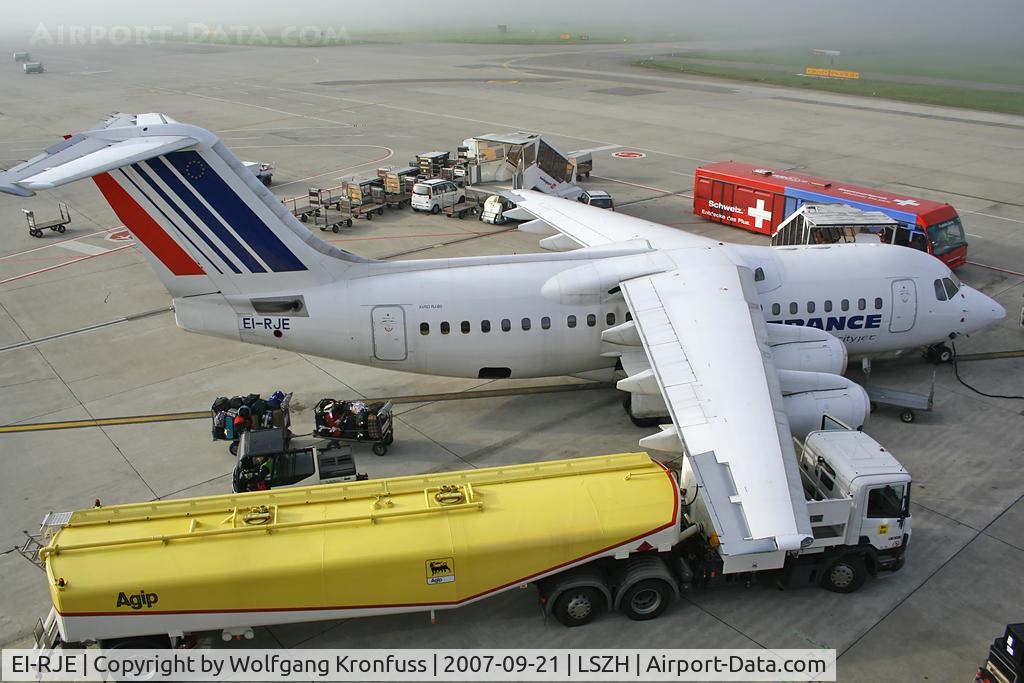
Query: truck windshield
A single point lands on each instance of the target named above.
(946, 236)
(887, 501)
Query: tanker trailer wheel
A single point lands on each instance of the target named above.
(845, 575)
(578, 606)
(646, 599)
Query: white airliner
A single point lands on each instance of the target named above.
(684, 316)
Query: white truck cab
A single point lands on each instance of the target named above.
(850, 468)
(434, 195)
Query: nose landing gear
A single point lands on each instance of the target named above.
(938, 354)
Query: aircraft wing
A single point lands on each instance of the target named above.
(588, 226)
(704, 335)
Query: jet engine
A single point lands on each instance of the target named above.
(806, 348)
(806, 396)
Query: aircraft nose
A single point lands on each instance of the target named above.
(981, 311)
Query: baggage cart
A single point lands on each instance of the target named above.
(280, 422)
(906, 401)
(301, 207)
(431, 163)
(336, 422)
(398, 187)
(584, 164)
(468, 206)
(59, 224)
(334, 218)
(360, 190)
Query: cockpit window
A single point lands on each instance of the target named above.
(952, 286)
(940, 292)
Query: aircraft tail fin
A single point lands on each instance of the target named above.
(204, 220)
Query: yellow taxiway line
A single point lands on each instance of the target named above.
(205, 414)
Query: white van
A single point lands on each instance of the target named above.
(434, 195)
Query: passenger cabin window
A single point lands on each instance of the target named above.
(610, 319)
(776, 309)
(506, 325)
(810, 307)
(571, 321)
(424, 328)
(545, 323)
(445, 328)
(465, 327)
(591, 320)
(862, 304)
(828, 305)
(793, 307)
(878, 303)
(844, 304)
(485, 326)
(526, 323)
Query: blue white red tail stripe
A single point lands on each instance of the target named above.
(184, 219)
(148, 231)
(215, 225)
(235, 212)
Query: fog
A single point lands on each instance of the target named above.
(806, 21)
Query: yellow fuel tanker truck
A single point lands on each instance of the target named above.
(606, 532)
(122, 574)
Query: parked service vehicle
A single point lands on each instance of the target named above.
(584, 164)
(262, 465)
(22, 57)
(598, 198)
(494, 210)
(760, 199)
(33, 67)
(263, 171)
(1005, 663)
(434, 195)
(607, 532)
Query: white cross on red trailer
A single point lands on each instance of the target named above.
(759, 214)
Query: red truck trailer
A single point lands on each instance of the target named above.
(759, 199)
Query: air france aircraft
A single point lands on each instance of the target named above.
(685, 317)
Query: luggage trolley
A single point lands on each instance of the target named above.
(59, 224)
(373, 424)
(277, 428)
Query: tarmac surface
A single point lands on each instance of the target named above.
(85, 334)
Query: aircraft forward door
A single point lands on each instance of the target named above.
(904, 305)
(388, 326)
